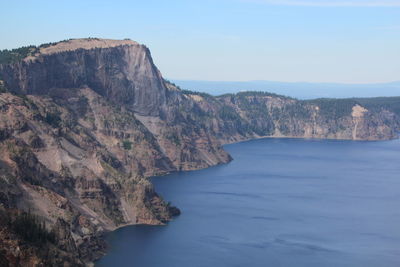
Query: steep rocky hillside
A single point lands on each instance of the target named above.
(247, 115)
(85, 122)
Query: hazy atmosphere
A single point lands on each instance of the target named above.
(229, 40)
(213, 133)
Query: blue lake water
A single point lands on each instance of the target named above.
(281, 202)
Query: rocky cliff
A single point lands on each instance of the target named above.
(120, 71)
(247, 115)
(85, 122)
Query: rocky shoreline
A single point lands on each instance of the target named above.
(84, 122)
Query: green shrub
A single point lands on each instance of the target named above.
(14, 55)
(53, 119)
(127, 145)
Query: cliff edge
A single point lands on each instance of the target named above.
(85, 122)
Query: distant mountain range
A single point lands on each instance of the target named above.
(301, 90)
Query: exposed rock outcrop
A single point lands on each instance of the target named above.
(121, 71)
(84, 123)
(247, 115)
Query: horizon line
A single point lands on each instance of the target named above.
(306, 82)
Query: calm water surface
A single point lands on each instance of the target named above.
(281, 202)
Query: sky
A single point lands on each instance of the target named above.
(344, 41)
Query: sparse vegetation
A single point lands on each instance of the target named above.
(253, 94)
(63, 41)
(53, 119)
(30, 228)
(127, 145)
(188, 92)
(174, 138)
(14, 55)
(3, 88)
(334, 108)
(377, 103)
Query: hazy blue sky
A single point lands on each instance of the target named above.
(355, 41)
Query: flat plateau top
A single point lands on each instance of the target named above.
(87, 43)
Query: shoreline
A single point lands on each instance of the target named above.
(102, 235)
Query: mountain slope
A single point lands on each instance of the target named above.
(85, 122)
(85, 147)
(246, 115)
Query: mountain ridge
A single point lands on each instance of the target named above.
(81, 130)
(300, 90)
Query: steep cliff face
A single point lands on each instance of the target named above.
(123, 74)
(84, 122)
(82, 125)
(121, 71)
(59, 165)
(247, 115)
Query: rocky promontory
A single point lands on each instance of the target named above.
(85, 122)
